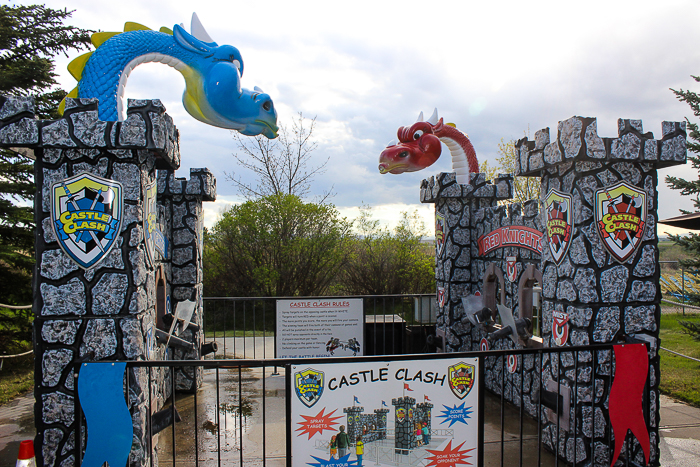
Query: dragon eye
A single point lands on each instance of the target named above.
(267, 106)
(403, 154)
(417, 134)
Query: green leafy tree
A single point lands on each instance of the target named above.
(524, 188)
(29, 37)
(385, 262)
(277, 245)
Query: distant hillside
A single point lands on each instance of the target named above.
(669, 251)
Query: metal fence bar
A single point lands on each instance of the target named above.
(218, 419)
(503, 406)
(171, 369)
(522, 403)
(172, 408)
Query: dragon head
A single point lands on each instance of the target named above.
(417, 148)
(213, 93)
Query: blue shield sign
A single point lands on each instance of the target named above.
(86, 215)
(150, 219)
(308, 385)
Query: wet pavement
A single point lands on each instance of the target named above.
(16, 424)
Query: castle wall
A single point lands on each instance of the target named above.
(605, 297)
(108, 310)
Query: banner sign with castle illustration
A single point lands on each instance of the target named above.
(515, 235)
(324, 327)
(422, 412)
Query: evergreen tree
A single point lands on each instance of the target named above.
(690, 242)
(29, 37)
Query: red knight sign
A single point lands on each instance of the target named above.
(560, 223)
(515, 235)
(621, 213)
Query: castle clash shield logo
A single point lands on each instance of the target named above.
(308, 385)
(86, 215)
(621, 213)
(461, 379)
(400, 414)
(560, 223)
(511, 268)
(149, 220)
(560, 327)
(439, 232)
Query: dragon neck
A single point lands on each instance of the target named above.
(108, 68)
(463, 153)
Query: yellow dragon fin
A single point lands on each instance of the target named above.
(451, 124)
(76, 66)
(99, 38)
(131, 26)
(166, 30)
(62, 105)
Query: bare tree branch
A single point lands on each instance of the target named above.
(281, 165)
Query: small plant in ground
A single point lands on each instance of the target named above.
(690, 328)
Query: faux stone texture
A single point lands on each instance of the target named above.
(129, 176)
(67, 299)
(607, 323)
(109, 294)
(641, 318)
(133, 337)
(57, 407)
(56, 134)
(643, 291)
(51, 440)
(53, 363)
(585, 283)
(133, 131)
(55, 265)
(613, 284)
(570, 136)
(63, 331)
(100, 337)
(137, 258)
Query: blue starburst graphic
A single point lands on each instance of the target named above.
(342, 462)
(455, 414)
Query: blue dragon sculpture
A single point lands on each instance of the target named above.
(212, 73)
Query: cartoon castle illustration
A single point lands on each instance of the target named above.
(408, 418)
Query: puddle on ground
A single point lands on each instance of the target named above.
(219, 433)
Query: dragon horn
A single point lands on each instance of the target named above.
(433, 118)
(420, 117)
(198, 31)
(258, 89)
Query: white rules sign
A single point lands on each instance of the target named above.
(309, 328)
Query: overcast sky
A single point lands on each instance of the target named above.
(364, 68)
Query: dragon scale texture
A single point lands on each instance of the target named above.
(213, 92)
(109, 65)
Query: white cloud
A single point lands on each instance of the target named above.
(496, 69)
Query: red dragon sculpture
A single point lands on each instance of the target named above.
(419, 147)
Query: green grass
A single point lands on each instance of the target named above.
(679, 376)
(15, 380)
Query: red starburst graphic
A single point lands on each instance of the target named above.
(316, 424)
(448, 456)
